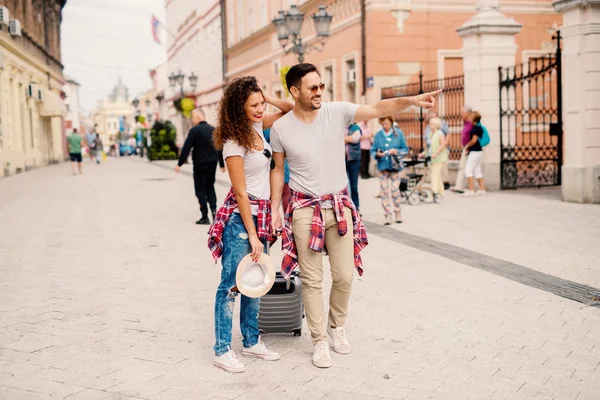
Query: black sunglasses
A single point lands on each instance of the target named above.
(268, 154)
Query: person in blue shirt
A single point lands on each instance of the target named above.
(285, 197)
(389, 147)
(353, 155)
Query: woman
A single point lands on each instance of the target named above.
(439, 156)
(474, 151)
(388, 148)
(366, 140)
(236, 230)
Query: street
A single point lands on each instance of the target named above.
(107, 292)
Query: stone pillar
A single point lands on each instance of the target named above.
(488, 43)
(56, 132)
(581, 99)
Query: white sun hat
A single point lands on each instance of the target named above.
(255, 279)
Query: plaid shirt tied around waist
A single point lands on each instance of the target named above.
(215, 232)
(317, 228)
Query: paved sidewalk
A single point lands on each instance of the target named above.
(107, 292)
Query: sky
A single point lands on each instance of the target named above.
(104, 38)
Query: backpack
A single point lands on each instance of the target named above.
(485, 139)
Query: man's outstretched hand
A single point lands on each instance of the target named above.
(426, 100)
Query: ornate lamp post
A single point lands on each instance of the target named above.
(288, 26)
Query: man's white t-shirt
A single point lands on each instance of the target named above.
(316, 152)
(256, 167)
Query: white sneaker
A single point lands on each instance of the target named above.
(229, 362)
(468, 193)
(480, 193)
(340, 341)
(259, 350)
(321, 357)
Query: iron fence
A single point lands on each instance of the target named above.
(449, 106)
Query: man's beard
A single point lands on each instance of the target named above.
(308, 105)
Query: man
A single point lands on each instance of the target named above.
(465, 137)
(311, 137)
(204, 158)
(352, 141)
(74, 145)
(91, 137)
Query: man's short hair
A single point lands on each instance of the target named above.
(476, 117)
(200, 111)
(297, 72)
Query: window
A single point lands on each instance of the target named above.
(251, 17)
(263, 13)
(31, 127)
(239, 13)
(329, 83)
(1, 88)
(22, 114)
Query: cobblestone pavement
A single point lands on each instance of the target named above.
(107, 290)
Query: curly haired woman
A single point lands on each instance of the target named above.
(242, 224)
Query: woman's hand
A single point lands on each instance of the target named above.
(422, 155)
(392, 151)
(380, 153)
(257, 247)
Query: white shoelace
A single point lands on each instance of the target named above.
(322, 351)
(341, 333)
(232, 357)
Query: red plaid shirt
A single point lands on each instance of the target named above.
(317, 229)
(215, 232)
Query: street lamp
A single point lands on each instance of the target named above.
(178, 79)
(288, 26)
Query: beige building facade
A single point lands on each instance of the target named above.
(31, 82)
(194, 47)
(114, 115)
(401, 38)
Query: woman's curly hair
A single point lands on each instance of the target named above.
(233, 123)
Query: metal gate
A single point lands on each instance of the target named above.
(449, 106)
(531, 134)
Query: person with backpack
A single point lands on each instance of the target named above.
(479, 139)
(353, 156)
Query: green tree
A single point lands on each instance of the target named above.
(163, 136)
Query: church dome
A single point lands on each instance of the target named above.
(120, 92)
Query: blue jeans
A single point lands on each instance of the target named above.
(235, 247)
(353, 170)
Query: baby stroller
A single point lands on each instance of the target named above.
(412, 189)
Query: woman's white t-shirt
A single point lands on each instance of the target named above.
(257, 167)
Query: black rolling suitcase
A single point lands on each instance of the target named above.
(282, 310)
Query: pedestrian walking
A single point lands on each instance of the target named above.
(98, 148)
(353, 155)
(464, 138)
(439, 156)
(243, 223)
(366, 141)
(388, 148)
(428, 136)
(90, 137)
(204, 158)
(321, 213)
(75, 145)
(475, 152)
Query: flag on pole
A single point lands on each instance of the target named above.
(155, 26)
